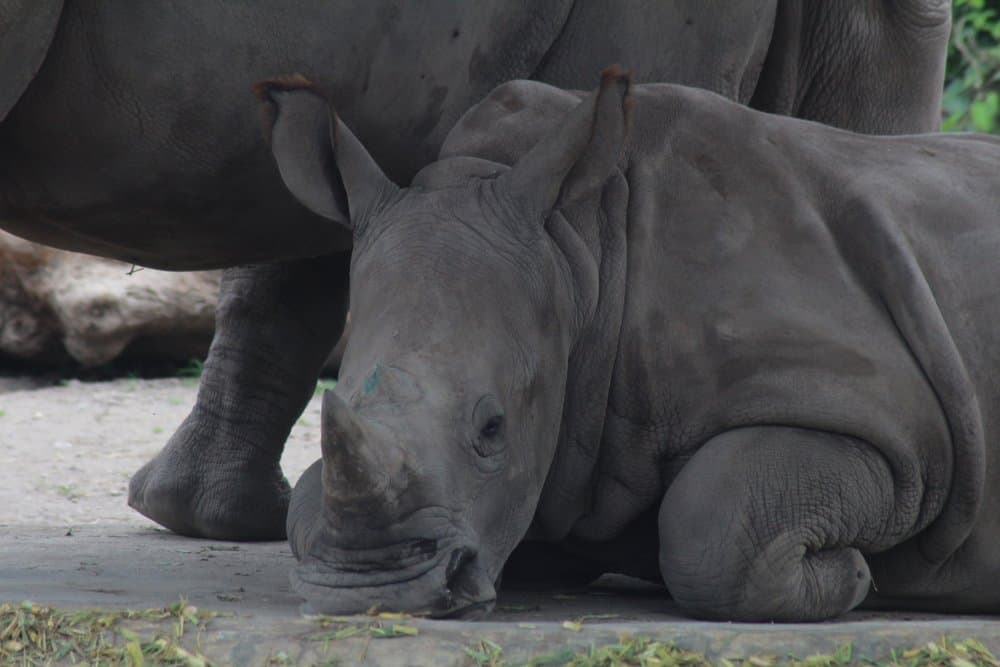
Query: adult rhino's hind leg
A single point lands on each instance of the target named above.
(770, 523)
(219, 475)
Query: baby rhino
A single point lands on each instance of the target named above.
(666, 335)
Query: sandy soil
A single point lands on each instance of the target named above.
(68, 451)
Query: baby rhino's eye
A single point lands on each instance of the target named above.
(489, 420)
(492, 427)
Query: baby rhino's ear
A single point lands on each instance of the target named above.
(576, 161)
(321, 162)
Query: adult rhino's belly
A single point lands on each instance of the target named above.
(156, 208)
(179, 239)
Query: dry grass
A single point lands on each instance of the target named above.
(644, 652)
(33, 634)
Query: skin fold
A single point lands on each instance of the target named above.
(127, 131)
(759, 348)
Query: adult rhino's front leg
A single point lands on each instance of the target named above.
(219, 476)
(770, 523)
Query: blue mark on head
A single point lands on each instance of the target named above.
(371, 382)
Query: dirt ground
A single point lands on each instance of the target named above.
(67, 451)
(68, 538)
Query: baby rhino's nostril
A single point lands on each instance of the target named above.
(459, 557)
(468, 591)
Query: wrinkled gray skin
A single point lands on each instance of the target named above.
(752, 355)
(135, 140)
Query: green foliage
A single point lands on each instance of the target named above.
(972, 82)
(192, 370)
(325, 384)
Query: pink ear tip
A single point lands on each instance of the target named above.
(263, 89)
(615, 74)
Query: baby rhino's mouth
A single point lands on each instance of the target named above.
(393, 563)
(447, 582)
(426, 562)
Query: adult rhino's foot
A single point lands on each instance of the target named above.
(219, 476)
(217, 490)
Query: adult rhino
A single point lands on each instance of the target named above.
(752, 355)
(126, 133)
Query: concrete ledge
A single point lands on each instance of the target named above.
(113, 567)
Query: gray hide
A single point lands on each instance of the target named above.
(26, 31)
(752, 356)
(137, 140)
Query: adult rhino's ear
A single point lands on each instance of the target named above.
(576, 161)
(321, 161)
